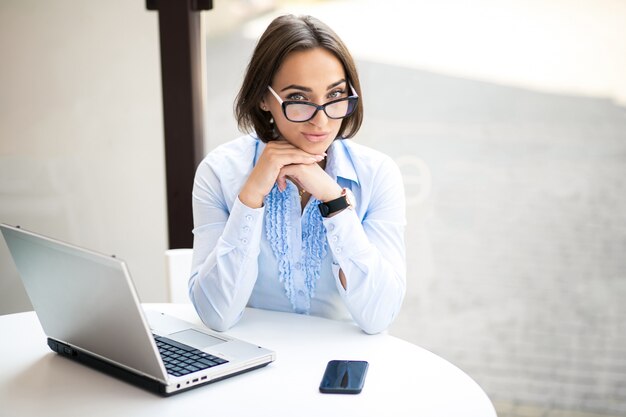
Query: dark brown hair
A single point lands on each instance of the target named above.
(284, 35)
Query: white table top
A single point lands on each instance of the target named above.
(402, 380)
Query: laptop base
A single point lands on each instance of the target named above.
(118, 372)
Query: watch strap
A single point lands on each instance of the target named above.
(333, 206)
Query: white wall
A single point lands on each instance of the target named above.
(81, 142)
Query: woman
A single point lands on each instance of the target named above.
(295, 216)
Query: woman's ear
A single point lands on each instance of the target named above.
(263, 106)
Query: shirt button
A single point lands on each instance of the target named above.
(298, 265)
(246, 229)
(334, 238)
(249, 218)
(331, 227)
(337, 250)
(244, 241)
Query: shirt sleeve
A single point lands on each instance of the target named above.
(225, 256)
(371, 253)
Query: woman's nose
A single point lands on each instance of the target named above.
(320, 119)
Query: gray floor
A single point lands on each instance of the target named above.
(516, 263)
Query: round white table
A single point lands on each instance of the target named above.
(402, 380)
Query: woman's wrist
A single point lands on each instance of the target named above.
(251, 199)
(332, 194)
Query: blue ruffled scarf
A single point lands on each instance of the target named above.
(314, 246)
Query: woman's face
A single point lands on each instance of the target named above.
(316, 76)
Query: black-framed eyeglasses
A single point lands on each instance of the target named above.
(303, 111)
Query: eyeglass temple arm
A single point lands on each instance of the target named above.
(353, 90)
(280, 100)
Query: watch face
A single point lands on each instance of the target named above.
(323, 209)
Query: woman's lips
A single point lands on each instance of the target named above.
(315, 137)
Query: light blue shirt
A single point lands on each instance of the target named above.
(234, 265)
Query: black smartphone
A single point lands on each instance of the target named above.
(344, 377)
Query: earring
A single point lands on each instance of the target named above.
(271, 120)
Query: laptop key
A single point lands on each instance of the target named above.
(200, 365)
(207, 362)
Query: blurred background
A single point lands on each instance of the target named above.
(507, 119)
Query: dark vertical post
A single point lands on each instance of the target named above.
(181, 40)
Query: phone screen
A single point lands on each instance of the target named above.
(344, 377)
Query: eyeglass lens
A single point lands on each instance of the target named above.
(336, 110)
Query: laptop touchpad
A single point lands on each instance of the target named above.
(195, 338)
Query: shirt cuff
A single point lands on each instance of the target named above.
(244, 226)
(345, 235)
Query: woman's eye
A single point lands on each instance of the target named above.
(296, 97)
(336, 94)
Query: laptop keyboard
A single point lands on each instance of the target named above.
(181, 359)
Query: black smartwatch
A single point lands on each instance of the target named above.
(333, 206)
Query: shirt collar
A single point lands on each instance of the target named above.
(339, 163)
(260, 146)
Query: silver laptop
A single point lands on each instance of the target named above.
(89, 309)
